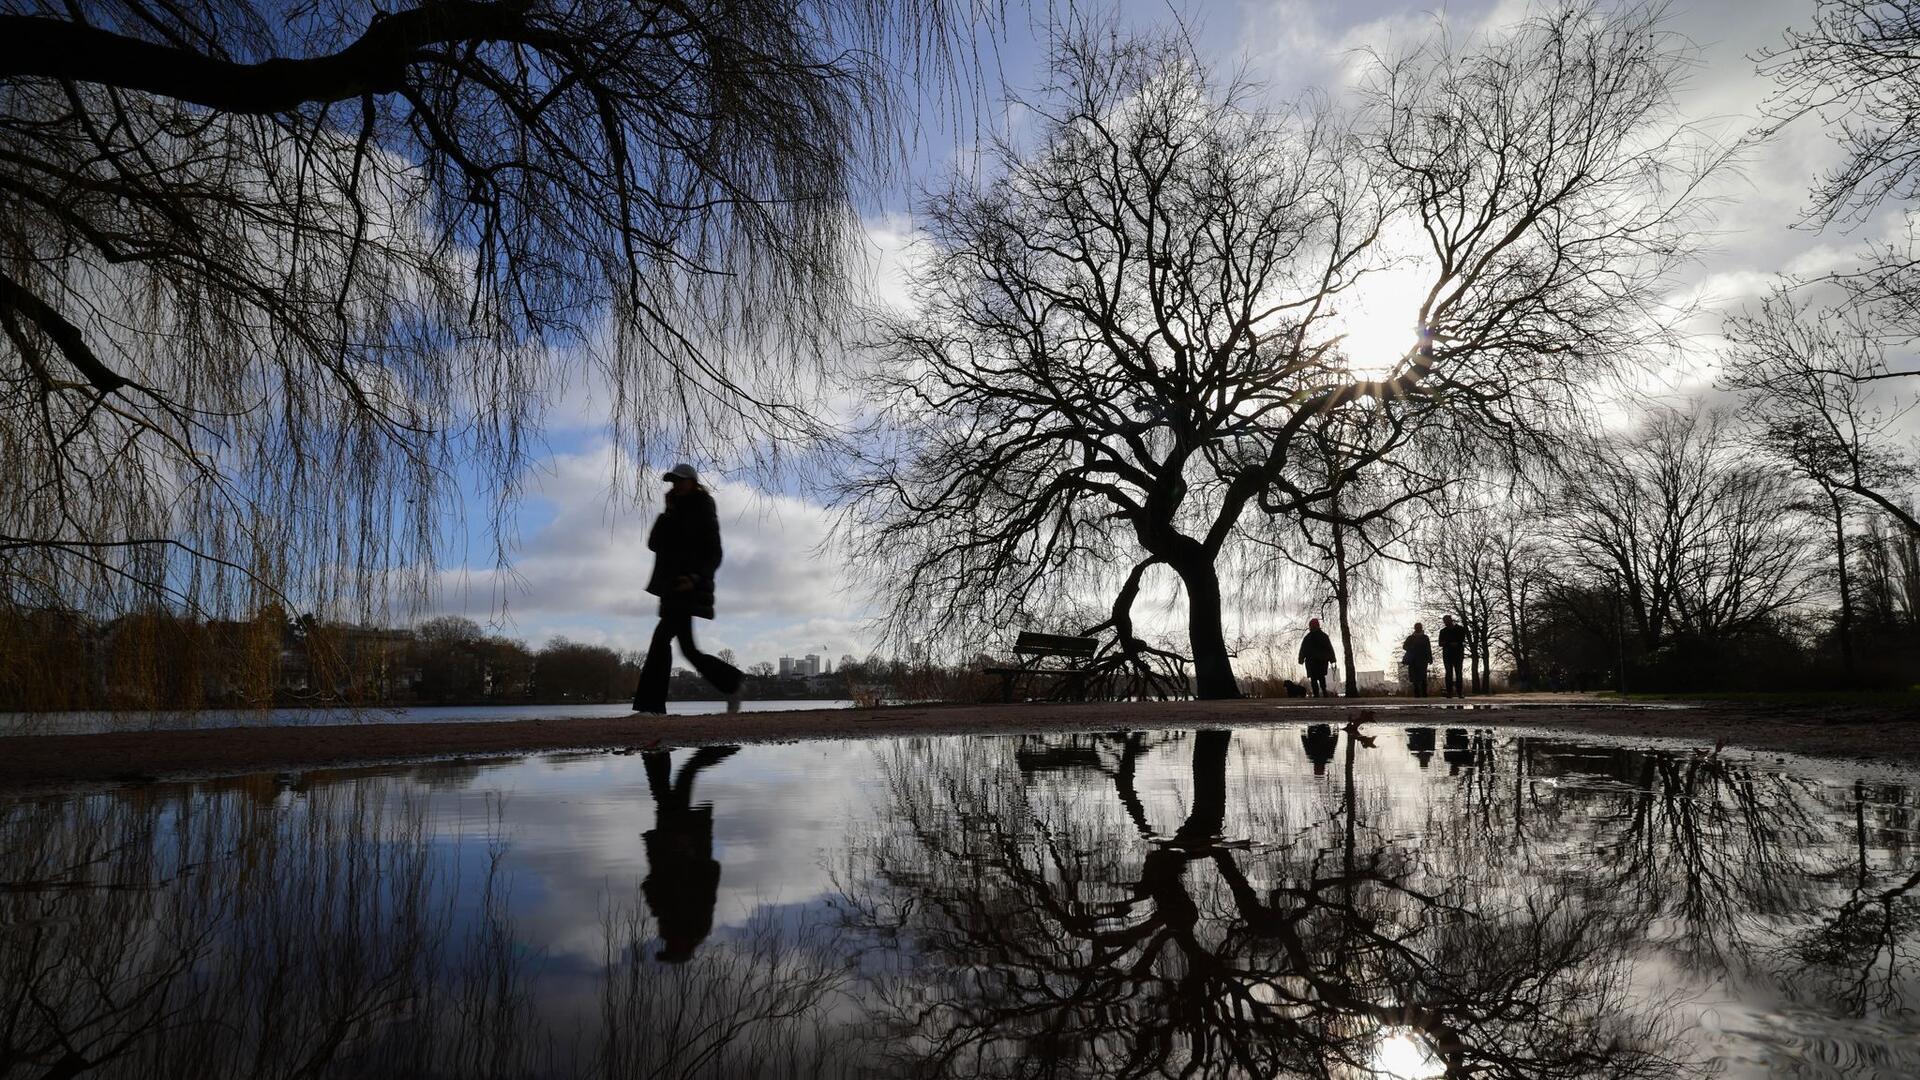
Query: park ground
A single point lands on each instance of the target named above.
(1882, 728)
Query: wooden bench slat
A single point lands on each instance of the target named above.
(1060, 644)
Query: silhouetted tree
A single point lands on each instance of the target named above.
(1123, 330)
(1459, 559)
(1804, 374)
(268, 271)
(1852, 67)
(566, 670)
(1691, 530)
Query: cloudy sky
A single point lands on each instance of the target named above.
(581, 559)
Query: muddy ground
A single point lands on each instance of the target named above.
(1877, 732)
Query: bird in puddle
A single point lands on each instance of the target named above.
(1352, 727)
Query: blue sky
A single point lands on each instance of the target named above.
(580, 561)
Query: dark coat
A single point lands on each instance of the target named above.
(685, 542)
(1453, 641)
(1418, 651)
(1317, 648)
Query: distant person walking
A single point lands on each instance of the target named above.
(1316, 652)
(1453, 652)
(686, 553)
(1417, 654)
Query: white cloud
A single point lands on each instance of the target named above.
(583, 573)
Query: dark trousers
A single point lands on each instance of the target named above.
(1417, 679)
(1450, 664)
(1317, 677)
(652, 694)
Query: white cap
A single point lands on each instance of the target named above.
(682, 471)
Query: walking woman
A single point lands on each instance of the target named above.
(686, 553)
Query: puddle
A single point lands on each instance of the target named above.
(1290, 901)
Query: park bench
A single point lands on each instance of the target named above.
(1070, 657)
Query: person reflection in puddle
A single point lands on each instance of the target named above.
(1420, 744)
(683, 877)
(1320, 743)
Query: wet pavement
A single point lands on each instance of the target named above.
(1400, 901)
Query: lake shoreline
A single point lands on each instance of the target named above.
(1867, 732)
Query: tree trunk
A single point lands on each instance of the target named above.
(1340, 602)
(1846, 585)
(1209, 813)
(1212, 670)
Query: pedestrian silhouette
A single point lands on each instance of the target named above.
(1316, 652)
(683, 877)
(1453, 651)
(1417, 654)
(1459, 750)
(686, 554)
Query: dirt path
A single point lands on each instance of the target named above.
(1879, 733)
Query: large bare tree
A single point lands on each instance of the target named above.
(1684, 526)
(276, 278)
(1124, 327)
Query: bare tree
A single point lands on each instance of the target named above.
(1345, 547)
(1124, 329)
(1889, 559)
(1679, 522)
(1484, 556)
(273, 278)
(1459, 559)
(1856, 67)
(1521, 572)
(1804, 376)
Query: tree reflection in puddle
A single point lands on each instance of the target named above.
(1526, 920)
(1287, 902)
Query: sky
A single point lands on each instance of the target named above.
(580, 560)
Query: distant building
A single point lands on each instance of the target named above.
(786, 666)
(812, 664)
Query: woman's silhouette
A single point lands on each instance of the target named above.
(686, 554)
(683, 877)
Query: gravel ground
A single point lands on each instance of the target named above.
(1875, 732)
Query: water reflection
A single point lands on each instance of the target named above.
(1307, 942)
(260, 929)
(683, 877)
(1305, 901)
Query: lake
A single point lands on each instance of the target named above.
(80, 723)
(1280, 901)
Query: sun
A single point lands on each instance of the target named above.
(1400, 1056)
(1379, 319)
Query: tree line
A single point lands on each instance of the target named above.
(65, 661)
